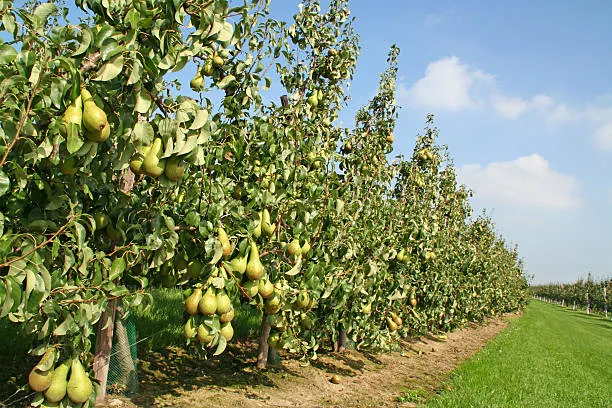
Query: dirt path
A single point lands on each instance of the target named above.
(175, 379)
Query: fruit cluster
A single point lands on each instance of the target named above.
(68, 378)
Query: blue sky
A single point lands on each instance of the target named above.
(522, 94)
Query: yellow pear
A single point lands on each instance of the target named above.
(227, 316)
(152, 164)
(224, 304)
(294, 248)
(94, 118)
(225, 242)
(239, 263)
(197, 82)
(227, 330)
(265, 288)
(79, 386)
(191, 303)
(204, 334)
(188, 330)
(254, 268)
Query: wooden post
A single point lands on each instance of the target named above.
(104, 345)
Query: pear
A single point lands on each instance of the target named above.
(218, 61)
(227, 330)
(40, 380)
(251, 288)
(73, 114)
(208, 69)
(254, 268)
(265, 288)
(227, 316)
(197, 82)
(59, 381)
(224, 304)
(313, 100)
(305, 248)
(102, 220)
(69, 166)
(367, 309)
(267, 228)
(98, 136)
(208, 304)
(239, 263)
(396, 319)
(303, 300)
(400, 255)
(191, 303)
(94, 118)
(152, 164)
(390, 138)
(173, 171)
(272, 304)
(294, 249)
(257, 229)
(188, 330)
(79, 386)
(225, 242)
(138, 158)
(204, 334)
(391, 324)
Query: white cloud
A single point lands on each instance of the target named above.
(603, 137)
(509, 107)
(527, 182)
(447, 85)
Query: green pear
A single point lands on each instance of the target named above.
(59, 381)
(294, 248)
(69, 166)
(227, 316)
(79, 386)
(208, 68)
(188, 330)
(224, 304)
(197, 82)
(305, 248)
(303, 300)
(218, 61)
(204, 334)
(94, 118)
(98, 136)
(192, 302)
(173, 170)
(239, 263)
(152, 164)
(312, 100)
(265, 288)
(73, 114)
(273, 304)
(266, 226)
(208, 304)
(257, 229)
(227, 330)
(225, 242)
(251, 288)
(138, 158)
(254, 268)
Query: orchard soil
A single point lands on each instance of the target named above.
(173, 378)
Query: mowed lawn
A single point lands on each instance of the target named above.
(550, 357)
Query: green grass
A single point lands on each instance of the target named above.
(161, 324)
(550, 357)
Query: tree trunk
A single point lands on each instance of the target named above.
(262, 356)
(342, 340)
(104, 345)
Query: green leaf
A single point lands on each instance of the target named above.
(226, 32)
(67, 326)
(221, 346)
(218, 253)
(74, 141)
(7, 54)
(86, 38)
(8, 20)
(143, 102)
(117, 268)
(200, 120)
(296, 268)
(43, 11)
(143, 133)
(5, 183)
(110, 70)
(226, 81)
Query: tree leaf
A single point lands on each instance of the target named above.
(221, 346)
(117, 268)
(110, 70)
(296, 268)
(86, 38)
(218, 252)
(5, 183)
(143, 101)
(200, 119)
(7, 54)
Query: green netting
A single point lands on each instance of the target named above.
(122, 371)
